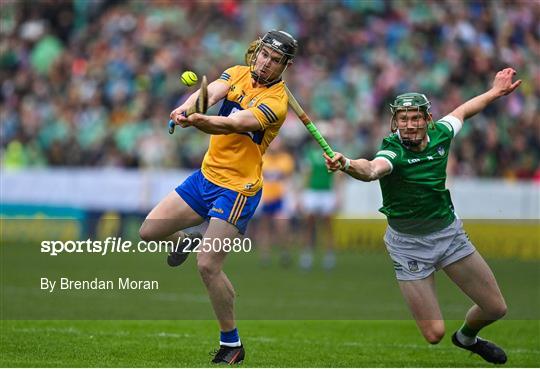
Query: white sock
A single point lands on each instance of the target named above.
(465, 340)
(306, 259)
(329, 261)
(231, 344)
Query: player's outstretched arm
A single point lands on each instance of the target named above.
(502, 85)
(362, 169)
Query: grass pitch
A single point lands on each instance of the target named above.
(353, 316)
(268, 344)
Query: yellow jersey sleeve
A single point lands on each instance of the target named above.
(229, 75)
(270, 111)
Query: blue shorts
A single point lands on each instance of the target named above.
(210, 200)
(273, 207)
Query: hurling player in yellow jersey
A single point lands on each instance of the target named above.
(227, 188)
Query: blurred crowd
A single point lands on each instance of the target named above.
(92, 82)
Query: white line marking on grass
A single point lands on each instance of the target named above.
(397, 345)
(431, 347)
(170, 335)
(523, 351)
(58, 363)
(92, 334)
(193, 297)
(262, 339)
(69, 330)
(166, 296)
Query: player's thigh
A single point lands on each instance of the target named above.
(474, 277)
(170, 215)
(421, 297)
(214, 249)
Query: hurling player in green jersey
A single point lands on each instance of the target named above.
(423, 233)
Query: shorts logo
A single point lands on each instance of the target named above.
(217, 210)
(413, 266)
(440, 150)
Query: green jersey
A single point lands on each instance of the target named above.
(415, 198)
(319, 178)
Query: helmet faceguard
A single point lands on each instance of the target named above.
(278, 41)
(411, 102)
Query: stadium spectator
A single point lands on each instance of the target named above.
(78, 75)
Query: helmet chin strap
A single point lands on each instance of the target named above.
(264, 81)
(260, 80)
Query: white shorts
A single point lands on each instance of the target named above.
(418, 256)
(319, 202)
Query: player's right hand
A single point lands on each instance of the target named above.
(335, 163)
(182, 121)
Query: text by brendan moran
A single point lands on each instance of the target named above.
(66, 284)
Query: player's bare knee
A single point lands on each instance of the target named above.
(503, 309)
(145, 233)
(434, 333)
(208, 269)
(434, 337)
(498, 310)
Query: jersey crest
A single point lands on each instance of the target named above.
(441, 150)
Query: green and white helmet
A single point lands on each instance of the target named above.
(408, 102)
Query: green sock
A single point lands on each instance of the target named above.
(468, 331)
(467, 335)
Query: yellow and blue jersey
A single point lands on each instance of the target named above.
(234, 161)
(277, 168)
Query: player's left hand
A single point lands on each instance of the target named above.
(502, 84)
